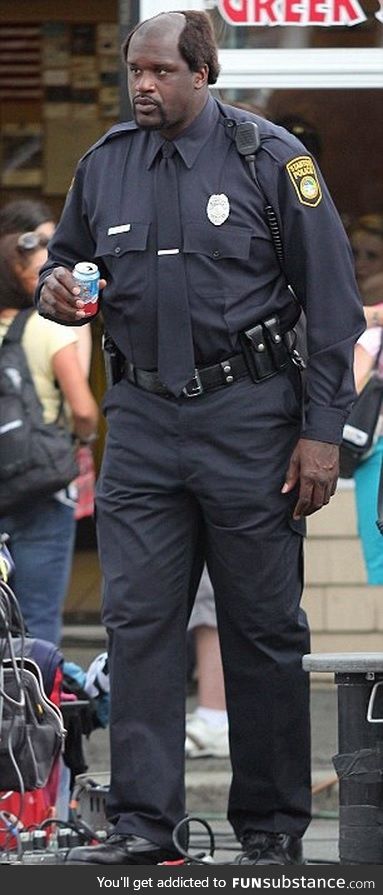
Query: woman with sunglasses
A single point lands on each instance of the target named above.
(42, 536)
(25, 215)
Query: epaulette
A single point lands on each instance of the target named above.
(122, 128)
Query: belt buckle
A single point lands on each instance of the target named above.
(194, 387)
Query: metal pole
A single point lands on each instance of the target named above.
(359, 765)
(128, 16)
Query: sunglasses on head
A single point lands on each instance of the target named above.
(27, 242)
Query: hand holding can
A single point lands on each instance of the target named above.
(87, 275)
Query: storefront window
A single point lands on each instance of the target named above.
(59, 91)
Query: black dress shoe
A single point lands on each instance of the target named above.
(119, 849)
(270, 848)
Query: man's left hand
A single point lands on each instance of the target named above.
(315, 465)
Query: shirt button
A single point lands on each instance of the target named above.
(216, 253)
(117, 250)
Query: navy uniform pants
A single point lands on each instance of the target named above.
(171, 470)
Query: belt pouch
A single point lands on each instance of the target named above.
(274, 340)
(256, 353)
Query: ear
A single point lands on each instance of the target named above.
(200, 77)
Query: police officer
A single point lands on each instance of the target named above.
(225, 447)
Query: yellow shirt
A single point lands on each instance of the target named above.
(41, 340)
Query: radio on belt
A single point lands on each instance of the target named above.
(87, 275)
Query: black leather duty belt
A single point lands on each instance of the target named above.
(265, 352)
(205, 379)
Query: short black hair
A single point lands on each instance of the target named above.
(23, 215)
(197, 44)
(12, 293)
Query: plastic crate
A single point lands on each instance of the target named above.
(88, 800)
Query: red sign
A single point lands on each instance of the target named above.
(292, 12)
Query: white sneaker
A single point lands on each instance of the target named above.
(203, 740)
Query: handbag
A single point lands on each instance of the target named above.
(32, 732)
(359, 432)
(32, 728)
(50, 465)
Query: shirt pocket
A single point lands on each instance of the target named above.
(212, 255)
(125, 257)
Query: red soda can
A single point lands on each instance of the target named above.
(87, 275)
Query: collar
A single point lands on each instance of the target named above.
(192, 140)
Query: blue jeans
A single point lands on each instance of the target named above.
(41, 543)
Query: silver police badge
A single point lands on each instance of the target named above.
(218, 209)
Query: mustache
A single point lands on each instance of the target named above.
(140, 97)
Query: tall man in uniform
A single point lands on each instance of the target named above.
(206, 430)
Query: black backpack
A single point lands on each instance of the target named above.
(36, 459)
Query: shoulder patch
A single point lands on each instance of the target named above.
(303, 175)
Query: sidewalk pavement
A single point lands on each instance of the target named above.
(208, 779)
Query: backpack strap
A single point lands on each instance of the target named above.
(14, 335)
(16, 329)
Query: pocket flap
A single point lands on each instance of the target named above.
(217, 242)
(133, 240)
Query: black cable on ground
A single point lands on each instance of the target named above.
(184, 827)
(83, 830)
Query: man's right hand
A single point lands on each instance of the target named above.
(59, 297)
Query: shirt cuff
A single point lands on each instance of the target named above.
(324, 424)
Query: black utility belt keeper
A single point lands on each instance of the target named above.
(265, 352)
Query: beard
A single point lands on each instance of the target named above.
(147, 125)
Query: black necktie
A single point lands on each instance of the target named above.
(175, 343)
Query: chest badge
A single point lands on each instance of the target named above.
(218, 209)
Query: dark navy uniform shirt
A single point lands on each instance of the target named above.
(233, 274)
